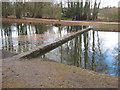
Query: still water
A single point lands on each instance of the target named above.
(93, 50)
(24, 37)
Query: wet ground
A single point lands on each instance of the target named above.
(44, 74)
(6, 54)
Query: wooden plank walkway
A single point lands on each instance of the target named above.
(49, 46)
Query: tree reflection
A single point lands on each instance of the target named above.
(93, 50)
(80, 50)
(75, 55)
(23, 37)
(15, 37)
(85, 51)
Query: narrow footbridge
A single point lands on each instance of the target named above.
(42, 49)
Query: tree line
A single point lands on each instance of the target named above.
(112, 14)
(80, 10)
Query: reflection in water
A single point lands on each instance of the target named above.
(94, 50)
(23, 37)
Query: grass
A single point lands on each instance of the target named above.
(107, 27)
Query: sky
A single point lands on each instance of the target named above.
(104, 3)
(109, 3)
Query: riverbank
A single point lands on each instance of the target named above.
(35, 73)
(109, 26)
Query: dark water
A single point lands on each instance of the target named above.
(94, 50)
(24, 37)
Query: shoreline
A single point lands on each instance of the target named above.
(35, 73)
(54, 21)
(107, 26)
(44, 74)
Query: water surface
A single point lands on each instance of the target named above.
(24, 37)
(94, 50)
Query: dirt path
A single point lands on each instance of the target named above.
(45, 74)
(52, 21)
(106, 26)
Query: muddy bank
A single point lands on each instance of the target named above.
(44, 74)
(107, 26)
(97, 25)
(53, 21)
(6, 54)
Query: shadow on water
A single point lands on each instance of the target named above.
(94, 50)
(24, 37)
